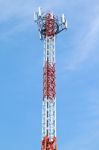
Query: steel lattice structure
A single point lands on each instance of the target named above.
(49, 26)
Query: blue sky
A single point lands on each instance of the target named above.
(21, 58)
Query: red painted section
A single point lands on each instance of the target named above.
(49, 145)
(49, 85)
(50, 25)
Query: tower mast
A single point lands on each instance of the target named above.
(49, 25)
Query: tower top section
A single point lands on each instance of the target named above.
(49, 24)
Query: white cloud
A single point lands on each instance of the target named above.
(13, 8)
(85, 46)
(21, 8)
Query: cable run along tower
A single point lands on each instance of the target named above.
(49, 25)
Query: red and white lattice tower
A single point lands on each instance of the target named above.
(49, 26)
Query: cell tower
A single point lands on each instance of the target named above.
(49, 25)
